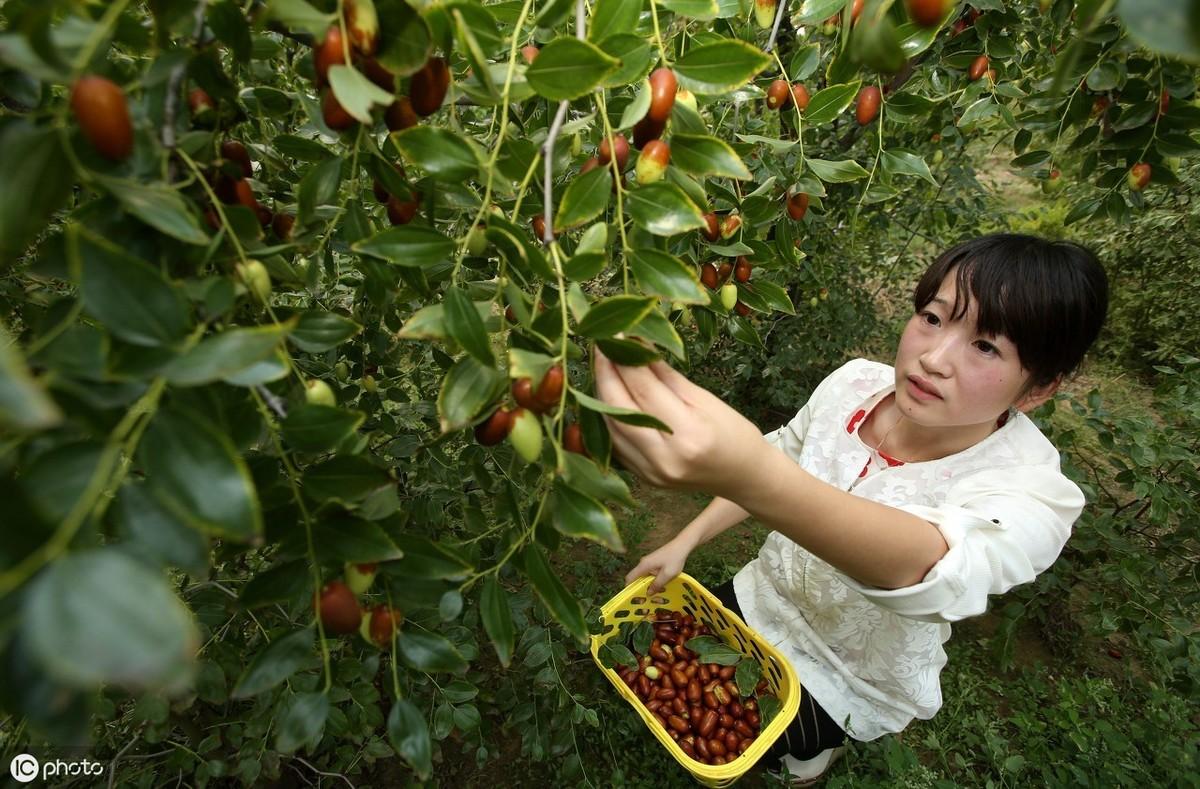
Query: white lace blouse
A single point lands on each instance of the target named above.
(871, 657)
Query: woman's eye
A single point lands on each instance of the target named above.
(929, 316)
(987, 347)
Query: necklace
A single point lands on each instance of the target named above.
(889, 432)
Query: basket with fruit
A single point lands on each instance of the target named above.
(709, 688)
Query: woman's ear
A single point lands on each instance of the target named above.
(1035, 396)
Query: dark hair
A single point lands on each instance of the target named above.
(1049, 297)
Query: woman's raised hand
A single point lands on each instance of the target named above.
(711, 446)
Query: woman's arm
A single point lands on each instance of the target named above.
(715, 449)
(719, 515)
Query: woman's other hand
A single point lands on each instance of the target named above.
(664, 564)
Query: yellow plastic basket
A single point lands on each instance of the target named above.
(686, 594)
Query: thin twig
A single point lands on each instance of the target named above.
(779, 12)
(275, 403)
(322, 772)
(172, 99)
(552, 137)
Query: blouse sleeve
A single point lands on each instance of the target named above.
(790, 437)
(1003, 527)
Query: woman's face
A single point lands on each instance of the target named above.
(971, 378)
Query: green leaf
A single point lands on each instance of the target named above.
(466, 389)
(627, 352)
(196, 473)
(625, 415)
(583, 266)
(827, 104)
(430, 652)
(585, 476)
(133, 300)
(299, 15)
(282, 658)
(344, 479)
(57, 478)
(634, 54)
(614, 314)
(838, 172)
(664, 210)
(700, 154)
(159, 206)
(429, 323)
(804, 62)
(636, 109)
(817, 11)
(721, 67)
(441, 153)
(578, 515)
(148, 530)
(412, 246)
(980, 110)
(703, 10)
(424, 558)
(908, 107)
(318, 330)
(229, 26)
(356, 93)
(35, 180)
(667, 276)
(901, 162)
(468, 45)
(773, 296)
(405, 42)
(222, 355)
(302, 721)
(1167, 27)
(98, 616)
(354, 540)
(466, 327)
(658, 330)
(568, 68)
(747, 675)
(875, 43)
(408, 732)
(550, 590)
(585, 199)
(711, 650)
(24, 404)
(318, 187)
(319, 428)
(610, 17)
(497, 618)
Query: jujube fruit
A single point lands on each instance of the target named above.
(620, 146)
(378, 74)
(494, 429)
(401, 212)
(334, 114)
(1053, 183)
(245, 194)
(317, 392)
(741, 271)
(867, 106)
(282, 224)
(979, 67)
(362, 23)
(539, 226)
(652, 163)
(549, 391)
(573, 439)
(729, 295)
(359, 577)
(1138, 177)
(337, 608)
(800, 96)
(234, 151)
(797, 206)
(400, 115)
(687, 99)
(647, 129)
(730, 225)
(256, 279)
(663, 86)
(427, 87)
(330, 52)
(379, 190)
(708, 276)
(712, 226)
(102, 112)
(1164, 101)
(522, 393)
(529, 52)
(927, 13)
(764, 12)
(385, 623)
(591, 164)
(779, 94)
(200, 104)
(526, 435)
